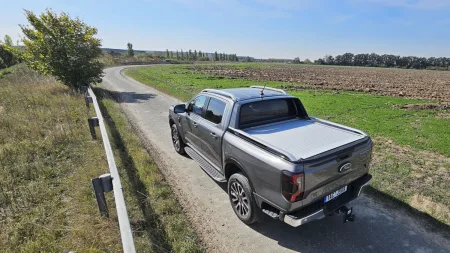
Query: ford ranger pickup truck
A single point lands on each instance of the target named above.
(272, 154)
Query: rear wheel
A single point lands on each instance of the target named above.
(178, 143)
(241, 198)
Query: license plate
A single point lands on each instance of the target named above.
(334, 194)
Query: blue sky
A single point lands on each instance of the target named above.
(259, 28)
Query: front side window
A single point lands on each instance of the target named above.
(215, 110)
(198, 105)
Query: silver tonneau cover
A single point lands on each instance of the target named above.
(303, 139)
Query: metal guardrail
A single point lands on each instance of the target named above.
(110, 182)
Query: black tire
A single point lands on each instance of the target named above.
(241, 198)
(177, 142)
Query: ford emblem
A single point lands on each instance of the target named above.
(344, 167)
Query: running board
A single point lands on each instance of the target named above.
(205, 165)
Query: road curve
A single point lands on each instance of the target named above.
(206, 202)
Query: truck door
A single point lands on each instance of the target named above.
(196, 109)
(211, 130)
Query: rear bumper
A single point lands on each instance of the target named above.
(319, 210)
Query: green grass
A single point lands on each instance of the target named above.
(47, 161)
(411, 146)
(377, 115)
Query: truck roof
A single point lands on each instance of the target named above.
(239, 94)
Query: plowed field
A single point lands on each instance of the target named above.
(424, 84)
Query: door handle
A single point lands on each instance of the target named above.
(213, 135)
(194, 124)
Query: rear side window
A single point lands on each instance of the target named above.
(266, 111)
(215, 110)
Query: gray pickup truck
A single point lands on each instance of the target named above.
(273, 156)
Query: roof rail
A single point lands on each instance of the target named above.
(222, 93)
(268, 88)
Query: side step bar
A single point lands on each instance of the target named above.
(205, 165)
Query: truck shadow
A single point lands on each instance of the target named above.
(372, 231)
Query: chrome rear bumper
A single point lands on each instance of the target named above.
(296, 221)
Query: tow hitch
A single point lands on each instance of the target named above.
(348, 213)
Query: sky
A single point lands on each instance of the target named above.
(259, 28)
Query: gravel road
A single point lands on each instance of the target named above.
(376, 228)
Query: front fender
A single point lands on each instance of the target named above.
(175, 118)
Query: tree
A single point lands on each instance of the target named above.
(171, 54)
(7, 57)
(63, 47)
(307, 61)
(190, 55)
(216, 56)
(296, 60)
(178, 56)
(195, 55)
(182, 55)
(167, 53)
(130, 51)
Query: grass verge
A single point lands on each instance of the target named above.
(47, 161)
(422, 181)
(163, 219)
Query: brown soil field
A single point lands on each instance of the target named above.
(423, 84)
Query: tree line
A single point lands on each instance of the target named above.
(385, 60)
(200, 56)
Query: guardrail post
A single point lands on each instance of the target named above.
(93, 122)
(100, 196)
(88, 100)
(106, 182)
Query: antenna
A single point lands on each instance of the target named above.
(262, 90)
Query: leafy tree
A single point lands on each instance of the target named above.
(182, 55)
(7, 57)
(195, 55)
(178, 56)
(130, 51)
(307, 61)
(167, 53)
(190, 55)
(63, 47)
(216, 56)
(171, 54)
(296, 60)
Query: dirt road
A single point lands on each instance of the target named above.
(375, 230)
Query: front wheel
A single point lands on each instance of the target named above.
(241, 198)
(178, 143)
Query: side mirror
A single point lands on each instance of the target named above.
(179, 108)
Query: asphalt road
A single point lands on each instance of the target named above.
(376, 229)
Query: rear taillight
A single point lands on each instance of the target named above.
(292, 186)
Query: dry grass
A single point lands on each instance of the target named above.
(419, 178)
(47, 161)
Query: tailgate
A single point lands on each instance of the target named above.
(339, 167)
